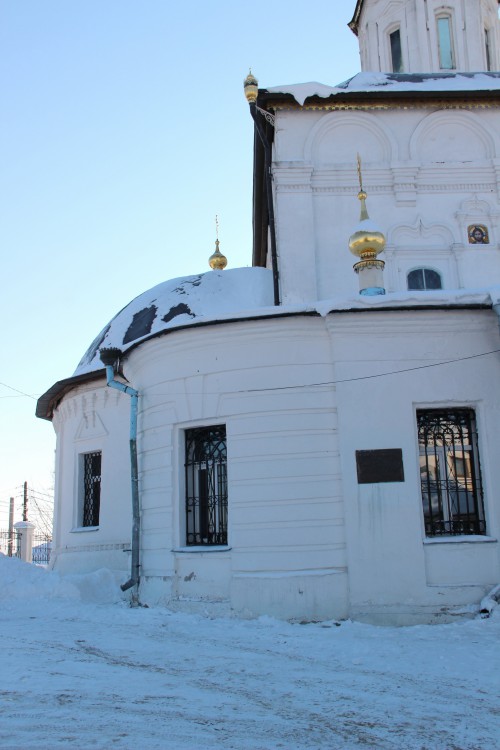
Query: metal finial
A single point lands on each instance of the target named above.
(360, 176)
(217, 260)
(251, 87)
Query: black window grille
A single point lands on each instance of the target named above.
(206, 486)
(91, 488)
(450, 475)
(423, 278)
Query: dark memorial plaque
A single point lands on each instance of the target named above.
(384, 465)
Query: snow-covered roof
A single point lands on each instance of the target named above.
(417, 83)
(181, 302)
(238, 294)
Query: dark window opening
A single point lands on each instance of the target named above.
(487, 42)
(396, 53)
(206, 486)
(91, 488)
(422, 279)
(450, 476)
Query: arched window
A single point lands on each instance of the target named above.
(396, 51)
(421, 279)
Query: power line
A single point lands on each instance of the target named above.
(22, 393)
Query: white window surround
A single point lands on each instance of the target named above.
(389, 36)
(453, 431)
(424, 269)
(181, 488)
(447, 29)
(83, 529)
(470, 539)
(202, 549)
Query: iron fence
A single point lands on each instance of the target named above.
(10, 543)
(42, 545)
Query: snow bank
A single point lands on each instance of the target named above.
(20, 580)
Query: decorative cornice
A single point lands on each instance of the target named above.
(407, 104)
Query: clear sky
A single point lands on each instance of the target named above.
(123, 132)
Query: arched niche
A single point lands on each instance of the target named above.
(451, 136)
(339, 136)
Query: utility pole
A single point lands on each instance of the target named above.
(11, 527)
(25, 501)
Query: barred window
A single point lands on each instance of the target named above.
(91, 467)
(452, 493)
(206, 486)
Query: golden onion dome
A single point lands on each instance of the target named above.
(251, 88)
(367, 241)
(217, 260)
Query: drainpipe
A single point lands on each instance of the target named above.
(496, 309)
(109, 358)
(250, 86)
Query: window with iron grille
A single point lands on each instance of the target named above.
(91, 488)
(452, 493)
(206, 486)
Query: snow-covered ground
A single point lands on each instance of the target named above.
(80, 669)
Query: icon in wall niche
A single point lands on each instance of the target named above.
(478, 234)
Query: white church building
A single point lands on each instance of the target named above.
(304, 438)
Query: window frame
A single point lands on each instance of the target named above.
(425, 288)
(488, 48)
(393, 30)
(445, 16)
(205, 513)
(87, 502)
(452, 504)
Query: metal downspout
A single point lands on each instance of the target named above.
(109, 357)
(496, 309)
(270, 204)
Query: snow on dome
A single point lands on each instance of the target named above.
(178, 302)
(393, 82)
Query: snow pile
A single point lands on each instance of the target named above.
(84, 675)
(19, 580)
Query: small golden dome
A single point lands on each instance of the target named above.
(251, 88)
(367, 241)
(217, 261)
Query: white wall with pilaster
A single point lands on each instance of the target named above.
(429, 174)
(286, 543)
(417, 22)
(396, 575)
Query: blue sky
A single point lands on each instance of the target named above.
(123, 131)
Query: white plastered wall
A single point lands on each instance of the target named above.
(421, 167)
(306, 541)
(92, 418)
(396, 575)
(417, 22)
(286, 549)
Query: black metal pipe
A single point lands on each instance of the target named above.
(266, 143)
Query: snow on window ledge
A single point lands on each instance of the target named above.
(83, 529)
(472, 538)
(203, 548)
